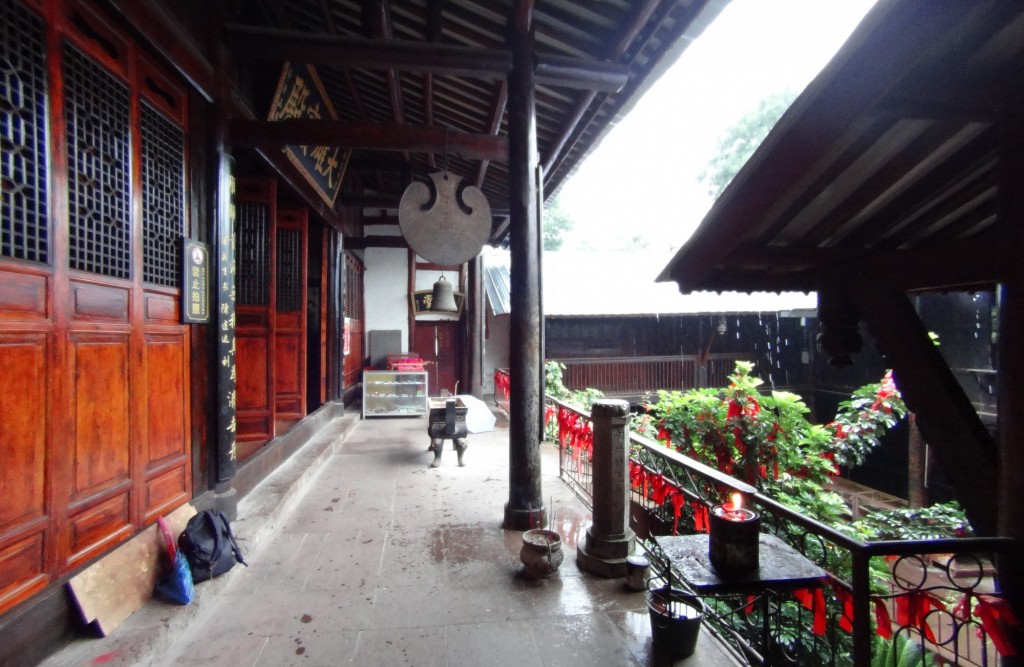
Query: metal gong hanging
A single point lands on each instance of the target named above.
(446, 221)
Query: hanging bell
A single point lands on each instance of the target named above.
(443, 299)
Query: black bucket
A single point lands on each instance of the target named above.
(675, 621)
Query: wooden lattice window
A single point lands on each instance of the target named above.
(353, 289)
(23, 156)
(163, 197)
(252, 231)
(289, 270)
(96, 112)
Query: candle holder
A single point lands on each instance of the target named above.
(733, 538)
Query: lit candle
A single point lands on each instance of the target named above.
(734, 511)
(733, 537)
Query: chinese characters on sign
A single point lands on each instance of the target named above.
(227, 380)
(301, 95)
(421, 300)
(195, 282)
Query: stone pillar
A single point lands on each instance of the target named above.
(609, 540)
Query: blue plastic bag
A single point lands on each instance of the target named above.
(175, 585)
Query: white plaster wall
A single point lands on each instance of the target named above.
(495, 348)
(386, 292)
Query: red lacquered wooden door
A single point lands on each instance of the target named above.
(94, 437)
(437, 344)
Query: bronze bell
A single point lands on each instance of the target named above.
(443, 299)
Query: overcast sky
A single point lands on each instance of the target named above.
(643, 178)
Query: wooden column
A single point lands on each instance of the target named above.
(336, 316)
(226, 456)
(477, 309)
(945, 415)
(1010, 362)
(226, 379)
(525, 508)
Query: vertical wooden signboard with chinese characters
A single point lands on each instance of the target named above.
(227, 454)
(301, 95)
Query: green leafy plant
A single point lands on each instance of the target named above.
(900, 652)
(555, 387)
(914, 523)
(864, 418)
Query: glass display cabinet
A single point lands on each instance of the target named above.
(394, 393)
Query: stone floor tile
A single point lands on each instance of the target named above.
(583, 639)
(635, 629)
(309, 649)
(415, 647)
(232, 651)
(413, 606)
(383, 561)
(282, 565)
(500, 644)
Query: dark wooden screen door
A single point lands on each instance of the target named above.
(255, 226)
(438, 344)
(290, 315)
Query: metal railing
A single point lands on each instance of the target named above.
(938, 594)
(637, 376)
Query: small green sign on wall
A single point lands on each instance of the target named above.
(195, 283)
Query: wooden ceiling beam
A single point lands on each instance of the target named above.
(363, 242)
(248, 43)
(498, 105)
(561, 146)
(368, 136)
(391, 201)
(434, 32)
(170, 39)
(958, 264)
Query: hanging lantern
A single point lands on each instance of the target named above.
(443, 299)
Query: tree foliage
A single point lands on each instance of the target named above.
(556, 223)
(741, 140)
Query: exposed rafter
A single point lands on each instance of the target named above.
(401, 138)
(249, 43)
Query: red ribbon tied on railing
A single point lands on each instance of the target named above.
(815, 602)
(883, 624)
(912, 611)
(637, 475)
(846, 598)
(502, 382)
(678, 500)
(700, 517)
(995, 616)
(663, 433)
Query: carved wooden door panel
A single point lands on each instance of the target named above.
(437, 344)
(94, 434)
(255, 222)
(290, 314)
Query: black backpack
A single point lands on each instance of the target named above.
(209, 545)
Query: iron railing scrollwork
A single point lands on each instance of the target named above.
(938, 594)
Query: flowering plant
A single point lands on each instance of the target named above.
(766, 440)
